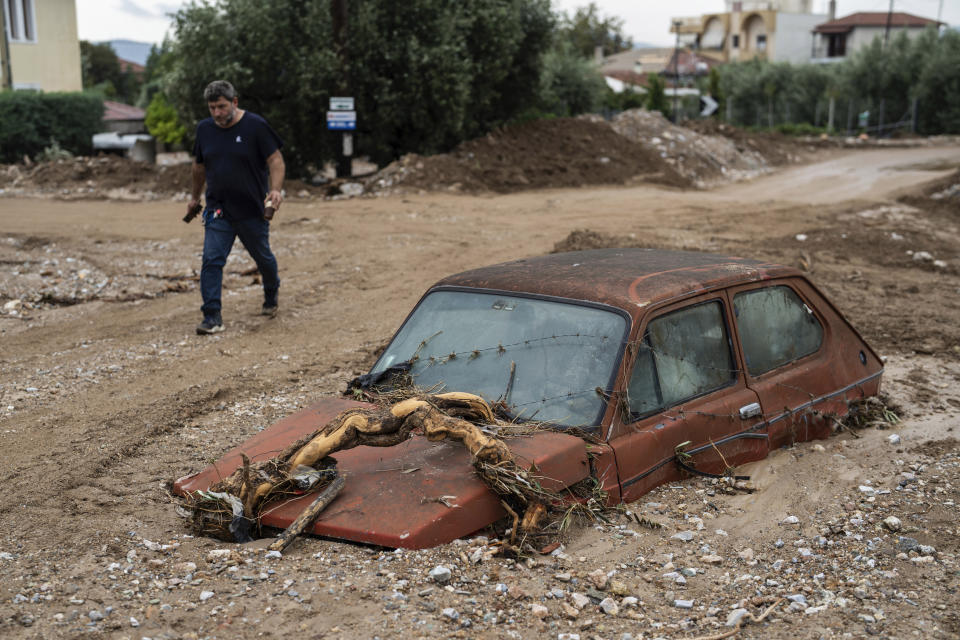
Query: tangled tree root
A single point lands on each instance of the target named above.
(231, 509)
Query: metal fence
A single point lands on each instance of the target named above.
(876, 117)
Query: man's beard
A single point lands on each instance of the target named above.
(227, 118)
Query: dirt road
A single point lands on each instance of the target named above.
(106, 395)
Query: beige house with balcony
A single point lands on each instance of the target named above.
(775, 30)
(40, 48)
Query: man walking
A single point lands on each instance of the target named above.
(238, 155)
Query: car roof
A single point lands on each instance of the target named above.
(630, 279)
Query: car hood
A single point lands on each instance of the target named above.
(392, 494)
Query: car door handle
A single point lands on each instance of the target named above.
(750, 410)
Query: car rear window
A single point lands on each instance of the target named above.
(683, 354)
(776, 327)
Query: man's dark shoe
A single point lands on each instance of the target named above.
(269, 309)
(210, 326)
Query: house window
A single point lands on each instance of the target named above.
(21, 21)
(735, 40)
(836, 45)
(762, 42)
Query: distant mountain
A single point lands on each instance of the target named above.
(131, 50)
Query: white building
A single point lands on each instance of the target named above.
(775, 30)
(836, 39)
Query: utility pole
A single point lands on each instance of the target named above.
(6, 71)
(886, 33)
(338, 15)
(676, 73)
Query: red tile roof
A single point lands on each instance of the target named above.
(874, 19)
(119, 111)
(130, 66)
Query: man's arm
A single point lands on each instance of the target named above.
(277, 171)
(199, 175)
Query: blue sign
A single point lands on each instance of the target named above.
(342, 120)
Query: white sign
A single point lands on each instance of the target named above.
(342, 120)
(341, 104)
(709, 105)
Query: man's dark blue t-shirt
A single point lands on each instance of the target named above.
(235, 160)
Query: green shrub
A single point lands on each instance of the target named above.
(162, 120)
(31, 122)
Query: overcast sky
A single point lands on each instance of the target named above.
(647, 21)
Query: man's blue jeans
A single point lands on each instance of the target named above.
(218, 236)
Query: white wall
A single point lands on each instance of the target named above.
(794, 39)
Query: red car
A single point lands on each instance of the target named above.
(628, 353)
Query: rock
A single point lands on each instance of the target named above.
(797, 597)
(563, 577)
(351, 189)
(927, 550)
(568, 636)
(790, 520)
(618, 588)
(274, 555)
(609, 606)
(450, 613)
(440, 574)
(630, 601)
(907, 545)
(892, 523)
(579, 600)
(539, 611)
(893, 439)
(685, 536)
(206, 595)
(711, 559)
(867, 490)
(922, 256)
(134, 622)
(736, 616)
(95, 616)
(517, 593)
(569, 610)
(598, 579)
(683, 604)
(747, 554)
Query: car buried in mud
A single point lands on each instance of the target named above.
(629, 356)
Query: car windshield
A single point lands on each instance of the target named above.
(546, 360)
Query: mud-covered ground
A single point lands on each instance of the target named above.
(106, 395)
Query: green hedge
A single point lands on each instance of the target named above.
(31, 121)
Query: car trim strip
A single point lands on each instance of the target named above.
(750, 432)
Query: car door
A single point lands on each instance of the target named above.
(800, 356)
(684, 385)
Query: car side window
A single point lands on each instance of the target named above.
(683, 354)
(776, 327)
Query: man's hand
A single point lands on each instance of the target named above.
(193, 209)
(275, 198)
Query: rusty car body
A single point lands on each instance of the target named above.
(728, 357)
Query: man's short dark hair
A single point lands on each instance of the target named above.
(219, 89)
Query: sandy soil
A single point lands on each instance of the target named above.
(106, 395)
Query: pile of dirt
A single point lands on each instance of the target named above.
(104, 176)
(541, 154)
(706, 159)
(775, 148)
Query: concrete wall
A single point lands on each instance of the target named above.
(52, 61)
(794, 39)
(862, 36)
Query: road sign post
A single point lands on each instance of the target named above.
(343, 117)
